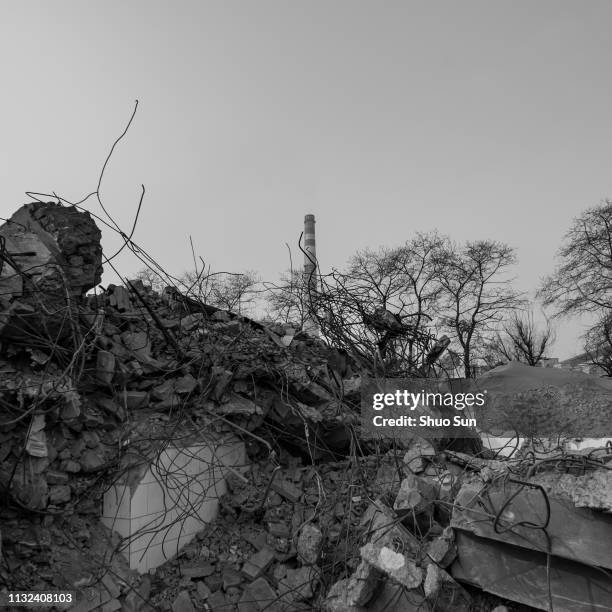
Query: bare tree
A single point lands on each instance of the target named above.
(582, 282)
(287, 301)
(387, 306)
(521, 340)
(227, 290)
(380, 308)
(235, 292)
(598, 345)
(477, 292)
(402, 281)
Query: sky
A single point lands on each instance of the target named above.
(483, 120)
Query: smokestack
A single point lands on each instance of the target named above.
(310, 270)
(310, 257)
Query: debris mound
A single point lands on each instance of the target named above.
(102, 391)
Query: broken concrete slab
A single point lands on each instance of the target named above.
(592, 489)
(578, 534)
(521, 575)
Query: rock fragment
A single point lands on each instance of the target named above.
(309, 544)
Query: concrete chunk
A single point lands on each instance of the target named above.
(418, 455)
(309, 544)
(287, 490)
(442, 550)
(446, 594)
(258, 563)
(183, 603)
(520, 574)
(259, 595)
(415, 495)
(394, 564)
(574, 533)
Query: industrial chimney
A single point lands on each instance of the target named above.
(310, 271)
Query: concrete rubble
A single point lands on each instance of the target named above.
(94, 386)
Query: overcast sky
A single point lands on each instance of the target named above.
(480, 119)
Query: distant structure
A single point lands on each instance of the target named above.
(310, 272)
(549, 362)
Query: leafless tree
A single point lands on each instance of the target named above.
(226, 290)
(235, 292)
(582, 282)
(477, 292)
(380, 308)
(388, 306)
(598, 345)
(522, 340)
(230, 291)
(287, 300)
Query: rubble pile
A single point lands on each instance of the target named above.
(89, 383)
(92, 386)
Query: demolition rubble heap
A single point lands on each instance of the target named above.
(316, 519)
